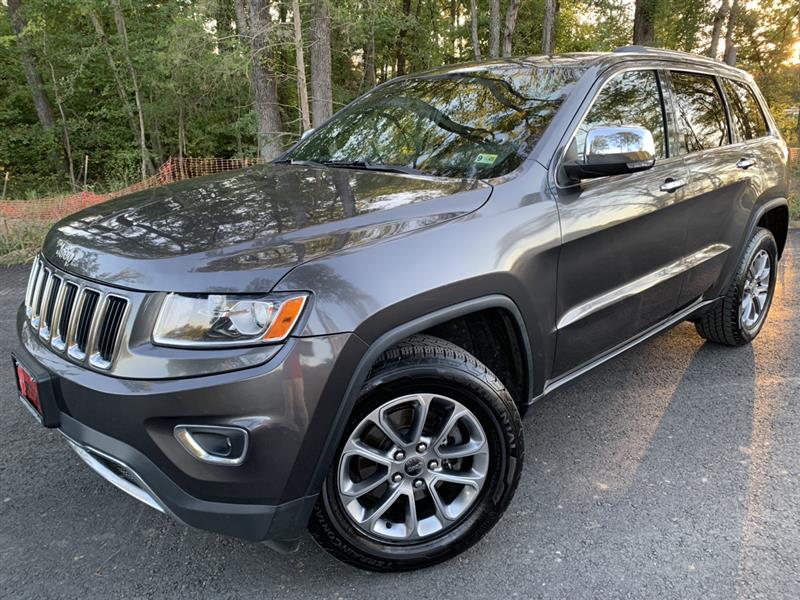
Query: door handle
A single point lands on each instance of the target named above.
(671, 185)
(745, 163)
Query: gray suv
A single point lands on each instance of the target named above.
(344, 339)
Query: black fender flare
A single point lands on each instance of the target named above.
(391, 337)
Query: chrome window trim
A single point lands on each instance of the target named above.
(581, 117)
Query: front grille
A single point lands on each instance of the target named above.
(84, 322)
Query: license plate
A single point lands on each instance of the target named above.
(36, 390)
(28, 388)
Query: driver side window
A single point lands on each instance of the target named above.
(632, 98)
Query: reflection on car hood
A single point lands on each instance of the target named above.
(243, 231)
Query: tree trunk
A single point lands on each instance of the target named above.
(121, 92)
(64, 130)
(43, 109)
(549, 26)
(719, 20)
(302, 90)
(254, 24)
(494, 28)
(122, 31)
(730, 48)
(224, 17)
(511, 23)
(476, 42)
(321, 86)
(401, 39)
(644, 22)
(369, 52)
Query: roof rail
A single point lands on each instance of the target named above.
(636, 49)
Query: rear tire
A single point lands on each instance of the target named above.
(435, 429)
(737, 318)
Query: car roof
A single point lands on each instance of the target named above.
(599, 60)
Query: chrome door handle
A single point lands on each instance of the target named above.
(672, 184)
(745, 163)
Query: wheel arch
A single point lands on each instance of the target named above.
(775, 217)
(425, 323)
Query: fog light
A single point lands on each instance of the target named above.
(214, 444)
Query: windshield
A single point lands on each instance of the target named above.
(477, 123)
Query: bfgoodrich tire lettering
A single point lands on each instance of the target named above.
(431, 366)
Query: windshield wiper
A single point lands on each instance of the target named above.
(295, 161)
(367, 166)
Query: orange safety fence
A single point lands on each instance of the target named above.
(49, 210)
(175, 169)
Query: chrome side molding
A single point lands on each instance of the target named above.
(637, 286)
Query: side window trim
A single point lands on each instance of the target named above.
(580, 117)
(720, 91)
(727, 108)
(670, 110)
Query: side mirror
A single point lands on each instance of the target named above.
(306, 133)
(613, 151)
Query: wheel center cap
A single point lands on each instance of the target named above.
(414, 466)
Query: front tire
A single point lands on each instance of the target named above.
(739, 316)
(430, 460)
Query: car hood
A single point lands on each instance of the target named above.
(243, 231)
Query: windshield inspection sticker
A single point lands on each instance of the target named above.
(485, 159)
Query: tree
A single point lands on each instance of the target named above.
(254, 24)
(494, 28)
(476, 42)
(716, 31)
(321, 83)
(302, 90)
(122, 31)
(43, 109)
(511, 23)
(549, 26)
(644, 22)
(730, 48)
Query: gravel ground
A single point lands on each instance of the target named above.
(670, 472)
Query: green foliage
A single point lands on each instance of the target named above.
(193, 70)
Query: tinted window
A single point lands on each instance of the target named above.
(630, 99)
(700, 112)
(481, 123)
(748, 120)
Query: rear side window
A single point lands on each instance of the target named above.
(748, 120)
(632, 98)
(700, 112)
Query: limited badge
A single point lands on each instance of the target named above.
(485, 159)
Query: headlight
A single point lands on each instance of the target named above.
(226, 320)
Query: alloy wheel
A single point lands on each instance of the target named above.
(412, 468)
(755, 295)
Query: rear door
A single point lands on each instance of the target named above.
(722, 179)
(623, 236)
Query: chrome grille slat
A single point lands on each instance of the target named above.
(41, 280)
(83, 326)
(32, 279)
(64, 317)
(51, 299)
(85, 322)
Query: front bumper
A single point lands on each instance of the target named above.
(123, 429)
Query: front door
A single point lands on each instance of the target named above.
(623, 236)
